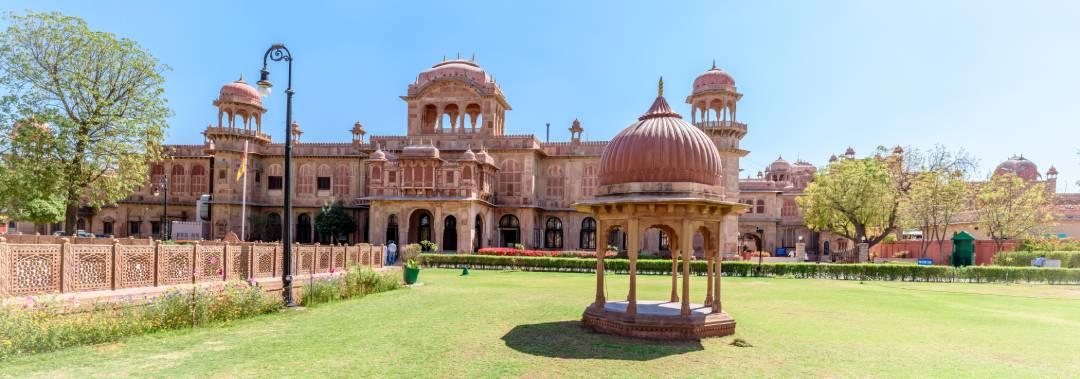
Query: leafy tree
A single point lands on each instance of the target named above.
(853, 198)
(333, 221)
(101, 98)
(29, 186)
(935, 199)
(1011, 207)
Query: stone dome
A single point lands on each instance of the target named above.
(241, 92)
(378, 155)
(779, 165)
(421, 150)
(485, 158)
(469, 155)
(1020, 166)
(714, 78)
(660, 147)
(1052, 171)
(458, 68)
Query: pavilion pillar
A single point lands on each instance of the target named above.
(675, 275)
(687, 247)
(600, 250)
(709, 257)
(718, 271)
(632, 242)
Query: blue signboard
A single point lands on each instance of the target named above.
(781, 252)
(926, 262)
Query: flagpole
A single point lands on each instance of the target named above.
(243, 196)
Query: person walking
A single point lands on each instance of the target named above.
(391, 253)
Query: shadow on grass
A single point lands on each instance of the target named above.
(571, 340)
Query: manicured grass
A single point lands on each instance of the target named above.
(499, 324)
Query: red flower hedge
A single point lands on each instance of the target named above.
(512, 252)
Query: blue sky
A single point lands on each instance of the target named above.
(992, 77)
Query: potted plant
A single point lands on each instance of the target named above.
(411, 266)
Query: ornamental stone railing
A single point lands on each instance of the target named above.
(65, 267)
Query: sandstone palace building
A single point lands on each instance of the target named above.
(454, 177)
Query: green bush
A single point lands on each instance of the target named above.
(1069, 259)
(358, 281)
(977, 274)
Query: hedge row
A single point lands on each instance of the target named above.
(1069, 259)
(978, 274)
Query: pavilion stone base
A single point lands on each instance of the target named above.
(658, 320)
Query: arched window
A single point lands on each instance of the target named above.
(553, 233)
(555, 182)
(588, 234)
(273, 227)
(790, 209)
(157, 174)
(376, 174)
(510, 178)
(760, 206)
(392, 229)
(178, 181)
(198, 180)
(450, 234)
(588, 181)
(509, 230)
(341, 181)
(307, 180)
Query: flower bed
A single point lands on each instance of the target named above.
(512, 252)
(976, 274)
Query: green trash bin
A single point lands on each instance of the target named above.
(963, 253)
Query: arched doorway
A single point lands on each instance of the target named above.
(509, 230)
(273, 227)
(479, 225)
(420, 226)
(588, 234)
(751, 241)
(449, 238)
(553, 235)
(303, 228)
(392, 229)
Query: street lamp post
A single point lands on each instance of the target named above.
(164, 187)
(279, 53)
(761, 247)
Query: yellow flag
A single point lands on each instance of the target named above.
(243, 163)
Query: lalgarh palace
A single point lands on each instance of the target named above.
(455, 177)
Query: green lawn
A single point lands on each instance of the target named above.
(499, 324)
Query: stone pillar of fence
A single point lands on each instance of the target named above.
(5, 268)
(864, 253)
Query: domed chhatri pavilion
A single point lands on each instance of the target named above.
(662, 173)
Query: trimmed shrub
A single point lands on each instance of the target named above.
(978, 274)
(357, 282)
(1069, 259)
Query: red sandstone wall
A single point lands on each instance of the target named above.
(984, 250)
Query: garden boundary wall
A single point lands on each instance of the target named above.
(127, 265)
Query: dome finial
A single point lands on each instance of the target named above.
(473, 57)
(714, 64)
(241, 80)
(660, 87)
